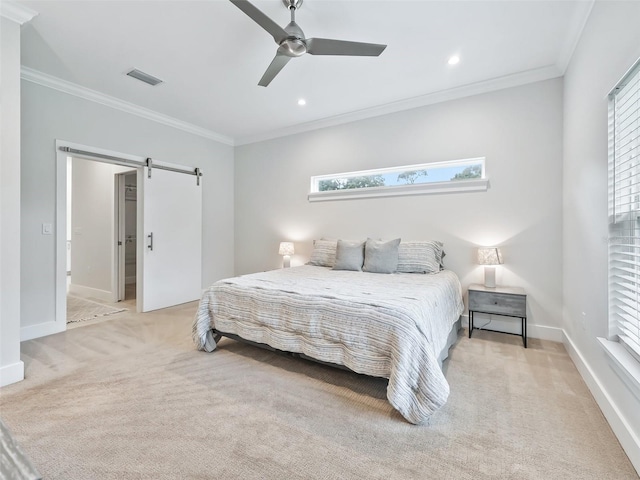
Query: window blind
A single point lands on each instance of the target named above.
(624, 211)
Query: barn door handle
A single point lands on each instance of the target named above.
(150, 237)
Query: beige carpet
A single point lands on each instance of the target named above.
(132, 399)
(81, 309)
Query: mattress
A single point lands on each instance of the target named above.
(393, 326)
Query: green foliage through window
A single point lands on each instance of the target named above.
(472, 171)
(351, 182)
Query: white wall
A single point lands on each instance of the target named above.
(518, 130)
(11, 367)
(48, 115)
(609, 45)
(92, 217)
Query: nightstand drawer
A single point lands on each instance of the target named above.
(498, 303)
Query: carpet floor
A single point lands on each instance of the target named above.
(131, 398)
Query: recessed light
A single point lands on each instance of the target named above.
(302, 102)
(453, 60)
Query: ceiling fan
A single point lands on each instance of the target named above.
(292, 42)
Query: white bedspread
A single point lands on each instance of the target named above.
(391, 326)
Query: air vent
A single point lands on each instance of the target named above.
(144, 77)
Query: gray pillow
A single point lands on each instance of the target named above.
(349, 256)
(381, 257)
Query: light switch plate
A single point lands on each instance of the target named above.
(47, 229)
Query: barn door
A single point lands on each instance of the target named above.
(170, 243)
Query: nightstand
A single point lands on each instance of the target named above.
(506, 301)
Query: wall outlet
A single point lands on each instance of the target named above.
(47, 229)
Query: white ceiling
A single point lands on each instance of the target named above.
(211, 56)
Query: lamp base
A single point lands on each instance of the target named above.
(490, 277)
(286, 261)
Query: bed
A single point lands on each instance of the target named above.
(398, 326)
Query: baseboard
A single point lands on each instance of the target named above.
(625, 434)
(11, 373)
(41, 330)
(512, 325)
(88, 292)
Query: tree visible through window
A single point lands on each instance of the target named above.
(474, 171)
(411, 176)
(351, 182)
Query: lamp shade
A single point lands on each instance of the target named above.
(489, 256)
(286, 248)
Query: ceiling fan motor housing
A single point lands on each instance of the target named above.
(293, 45)
(292, 3)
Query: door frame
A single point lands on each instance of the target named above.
(60, 324)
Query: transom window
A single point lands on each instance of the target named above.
(463, 175)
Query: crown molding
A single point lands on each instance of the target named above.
(16, 12)
(55, 83)
(574, 32)
(515, 80)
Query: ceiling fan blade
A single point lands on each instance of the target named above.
(276, 31)
(326, 46)
(274, 68)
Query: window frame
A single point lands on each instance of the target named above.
(449, 186)
(623, 358)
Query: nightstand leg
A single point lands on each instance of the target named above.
(524, 331)
(470, 322)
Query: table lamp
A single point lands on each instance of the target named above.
(489, 257)
(286, 250)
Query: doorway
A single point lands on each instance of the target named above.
(167, 238)
(92, 269)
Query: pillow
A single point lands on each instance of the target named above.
(324, 253)
(420, 257)
(381, 257)
(349, 256)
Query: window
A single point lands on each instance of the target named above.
(624, 212)
(449, 176)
